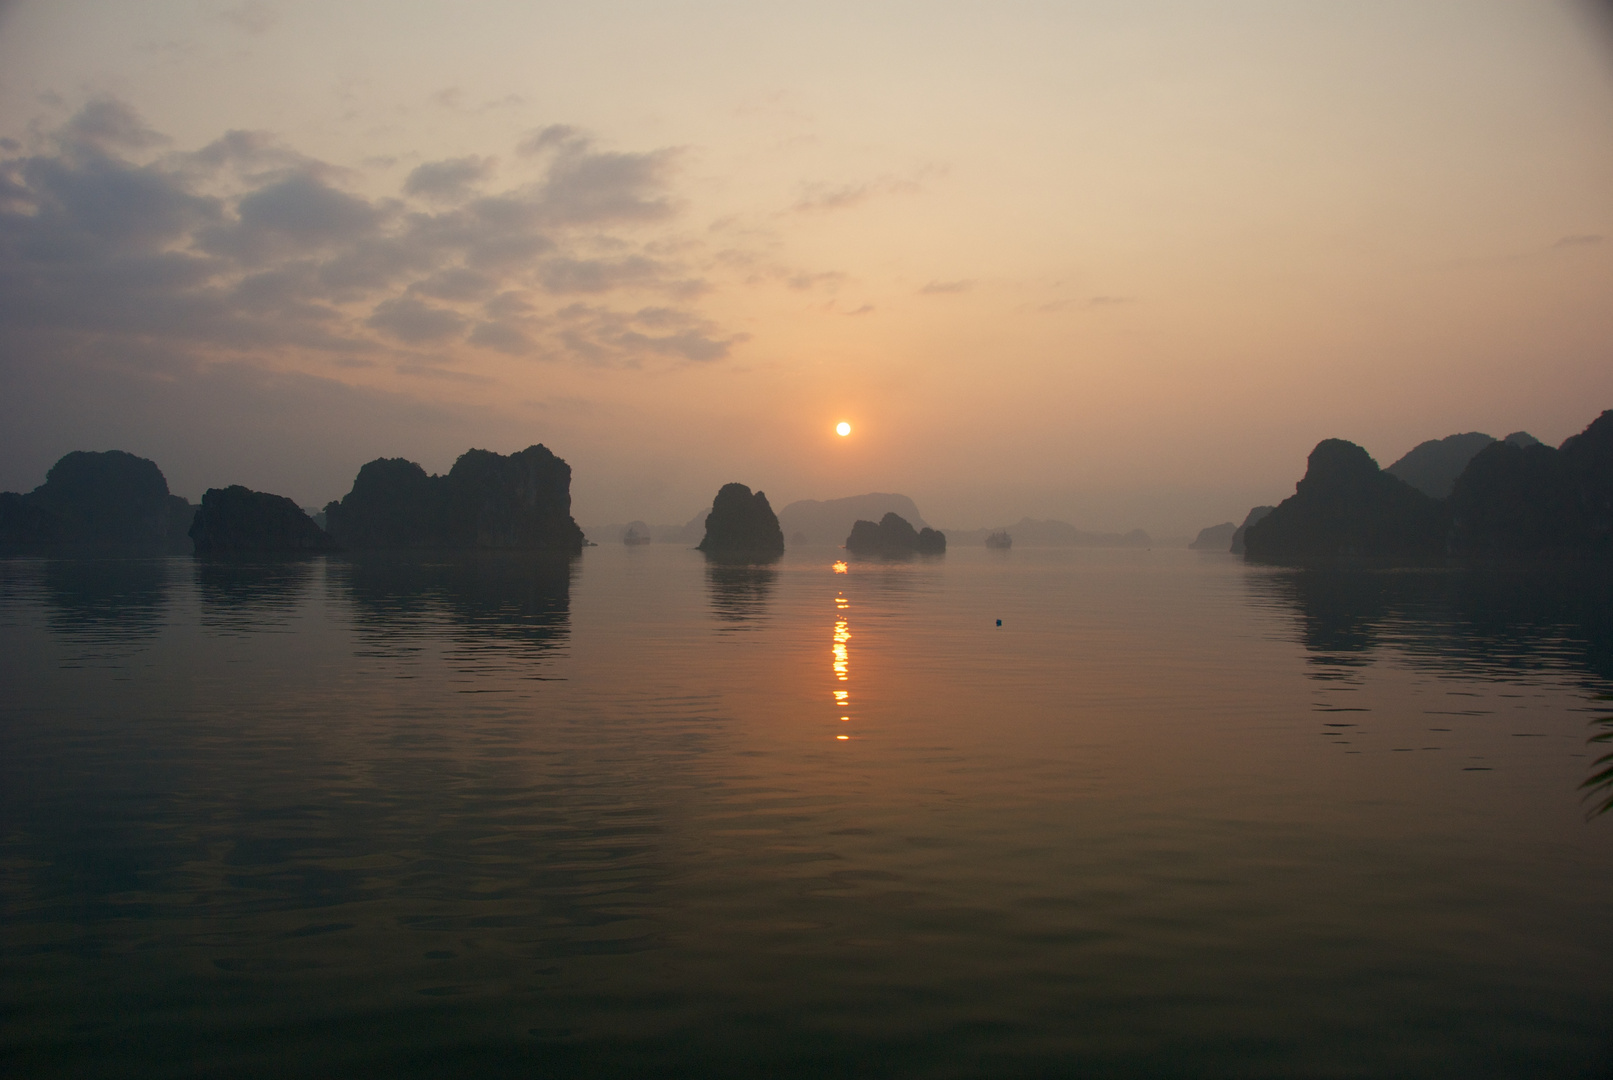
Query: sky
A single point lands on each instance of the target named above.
(1117, 262)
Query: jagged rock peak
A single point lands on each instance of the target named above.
(742, 525)
(1347, 507)
(487, 501)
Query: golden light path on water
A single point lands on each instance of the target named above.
(842, 654)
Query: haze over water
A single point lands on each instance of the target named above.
(642, 815)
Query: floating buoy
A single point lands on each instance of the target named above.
(999, 622)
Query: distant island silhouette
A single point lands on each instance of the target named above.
(742, 526)
(1215, 537)
(1512, 498)
(688, 534)
(97, 500)
(811, 521)
(237, 519)
(487, 501)
(114, 501)
(826, 522)
(894, 535)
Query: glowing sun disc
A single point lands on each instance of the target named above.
(843, 429)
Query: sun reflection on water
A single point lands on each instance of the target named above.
(842, 656)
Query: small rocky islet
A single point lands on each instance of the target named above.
(893, 537)
(742, 526)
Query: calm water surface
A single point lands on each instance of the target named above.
(638, 815)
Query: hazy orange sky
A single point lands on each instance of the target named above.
(1119, 263)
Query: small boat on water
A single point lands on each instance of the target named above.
(1000, 540)
(633, 538)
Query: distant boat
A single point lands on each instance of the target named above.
(633, 538)
(1000, 540)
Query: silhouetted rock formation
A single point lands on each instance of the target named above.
(1243, 530)
(108, 500)
(394, 503)
(1215, 537)
(486, 502)
(1433, 466)
(237, 519)
(1522, 440)
(1533, 500)
(1347, 506)
(894, 535)
(742, 526)
(828, 521)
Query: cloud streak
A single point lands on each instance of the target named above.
(246, 248)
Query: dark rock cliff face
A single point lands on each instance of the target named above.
(1253, 516)
(521, 502)
(487, 501)
(393, 504)
(1347, 507)
(238, 519)
(894, 535)
(109, 500)
(1590, 460)
(742, 526)
(1532, 500)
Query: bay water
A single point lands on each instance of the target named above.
(1053, 812)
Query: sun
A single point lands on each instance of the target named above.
(842, 429)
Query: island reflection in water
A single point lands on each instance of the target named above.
(1505, 624)
(115, 600)
(1174, 817)
(739, 592)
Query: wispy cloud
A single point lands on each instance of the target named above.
(453, 180)
(250, 247)
(823, 197)
(936, 288)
